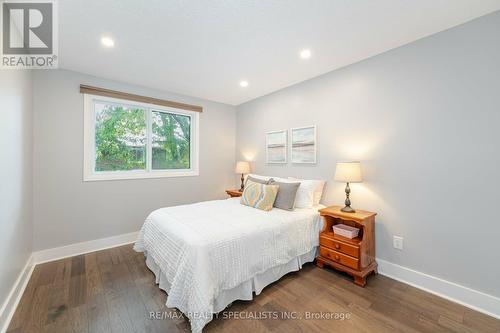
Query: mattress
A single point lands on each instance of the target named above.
(206, 255)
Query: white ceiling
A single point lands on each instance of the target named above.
(204, 48)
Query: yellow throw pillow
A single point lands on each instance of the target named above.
(259, 196)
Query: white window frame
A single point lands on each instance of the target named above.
(89, 173)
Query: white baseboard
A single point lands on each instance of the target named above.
(10, 304)
(71, 250)
(465, 296)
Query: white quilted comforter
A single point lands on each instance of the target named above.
(211, 246)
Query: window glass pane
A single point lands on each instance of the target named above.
(120, 137)
(171, 140)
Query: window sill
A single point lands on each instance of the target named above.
(138, 175)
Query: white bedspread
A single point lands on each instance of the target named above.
(211, 246)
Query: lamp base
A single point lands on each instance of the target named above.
(347, 209)
(242, 187)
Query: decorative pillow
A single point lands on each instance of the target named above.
(317, 185)
(286, 194)
(259, 196)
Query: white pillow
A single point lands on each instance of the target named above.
(257, 177)
(305, 193)
(317, 185)
(309, 192)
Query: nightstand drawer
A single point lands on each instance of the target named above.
(333, 244)
(339, 257)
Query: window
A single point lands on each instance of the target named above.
(126, 139)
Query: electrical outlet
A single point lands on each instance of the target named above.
(397, 242)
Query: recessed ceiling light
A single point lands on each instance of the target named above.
(305, 54)
(243, 84)
(108, 42)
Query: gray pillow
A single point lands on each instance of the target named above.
(286, 194)
(257, 180)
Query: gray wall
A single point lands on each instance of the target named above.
(424, 120)
(68, 210)
(16, 138)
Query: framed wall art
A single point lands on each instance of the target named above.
(303, 144)
(276, 147)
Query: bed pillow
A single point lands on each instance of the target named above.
(317, 185)
(257, 180)
(318, 195)
(305, 192)
(305, 195)
(260, 196)
(287, 192)
(258, 177)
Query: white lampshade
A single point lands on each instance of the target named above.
(348, 172)
(242, 167)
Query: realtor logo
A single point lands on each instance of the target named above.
(29, 34)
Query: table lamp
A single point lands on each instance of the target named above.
(242, 167)
(348, 172)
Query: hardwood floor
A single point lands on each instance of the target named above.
(113, 291)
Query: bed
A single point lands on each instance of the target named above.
(209, 254)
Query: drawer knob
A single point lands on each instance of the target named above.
(337, 246)
(337, 258)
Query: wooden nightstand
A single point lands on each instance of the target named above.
(354, 256)
(234, 193)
